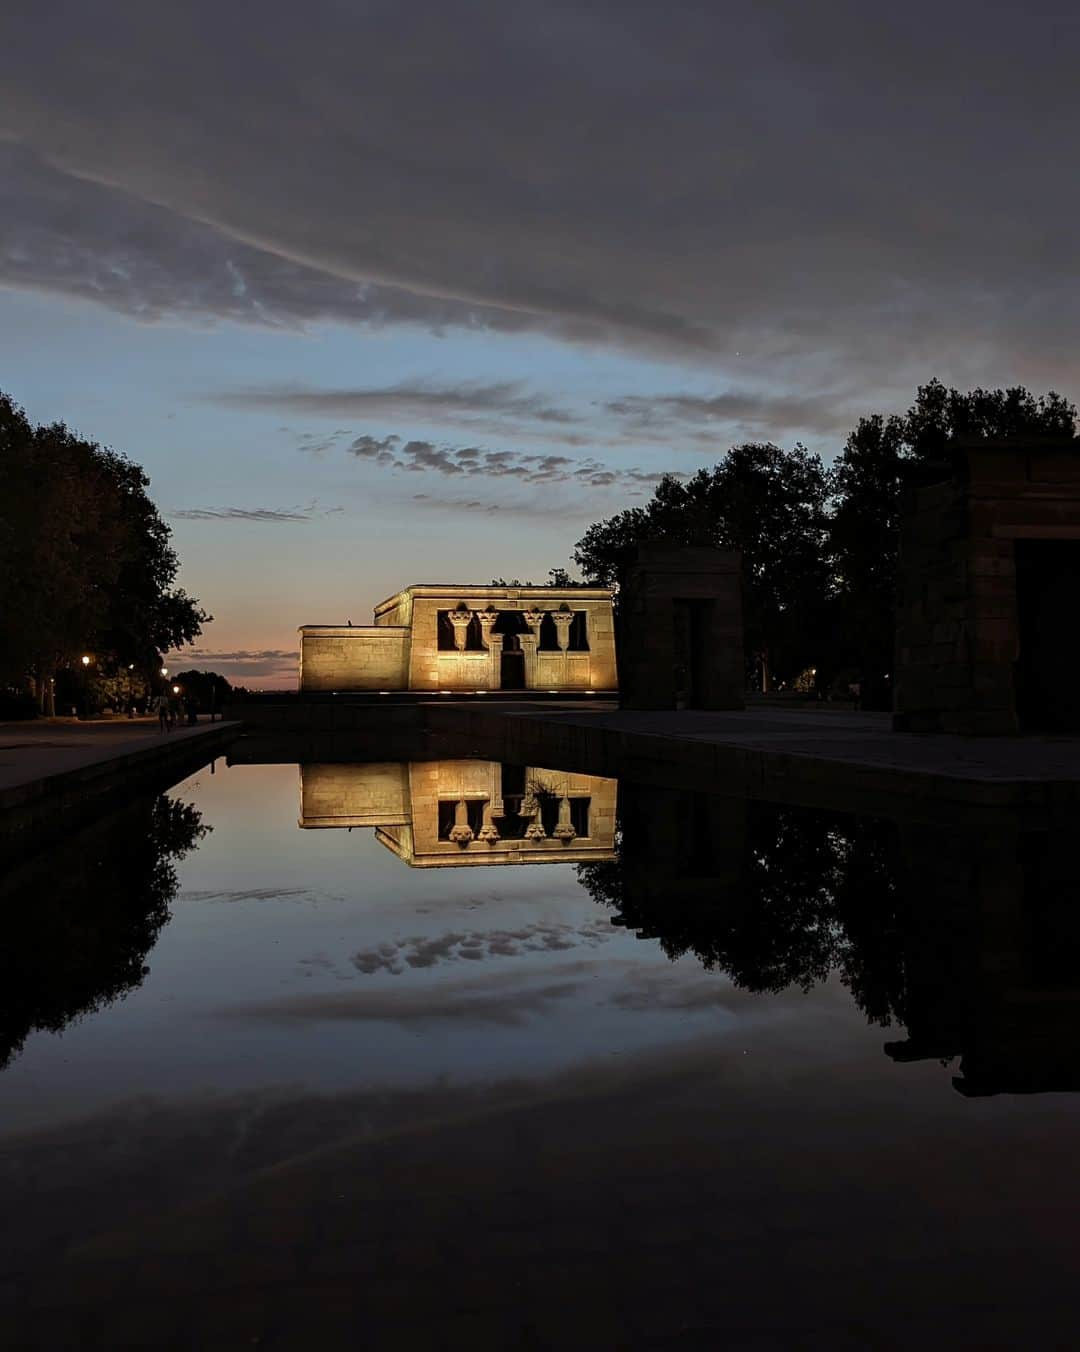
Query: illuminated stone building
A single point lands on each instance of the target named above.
(443, 637)
(464, 813)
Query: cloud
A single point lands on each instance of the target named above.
(238, 665)
(267, 514)
(476, 464)
(763, 187)
(734, 412)
(463, 401)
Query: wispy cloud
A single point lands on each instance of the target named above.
(732, 412)
(466, 402)
(239, 664)
(264, 514)
(476, 464)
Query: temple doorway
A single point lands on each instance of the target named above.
(512, 667)
(692, 619)
(1048, 612)
(511, 625)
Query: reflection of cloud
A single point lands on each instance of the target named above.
(245, 894)
(474, 945)
(502, 1003)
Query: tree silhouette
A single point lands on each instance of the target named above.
(80, 922)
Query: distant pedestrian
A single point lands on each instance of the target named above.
(161, 704)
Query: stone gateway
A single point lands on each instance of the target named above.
(988, 616)
(437, 636)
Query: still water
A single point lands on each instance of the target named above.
(452, 1053)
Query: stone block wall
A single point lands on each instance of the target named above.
(357, 658)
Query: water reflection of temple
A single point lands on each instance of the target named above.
(455, 813)
(962, 935)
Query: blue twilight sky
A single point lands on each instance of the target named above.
(392, 292)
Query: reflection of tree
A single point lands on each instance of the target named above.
(80, 922)
(771, 896)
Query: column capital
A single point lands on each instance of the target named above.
(460, 619)
(563, 620)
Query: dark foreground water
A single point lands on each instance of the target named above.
(450, 1054)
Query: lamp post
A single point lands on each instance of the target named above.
(86, 685)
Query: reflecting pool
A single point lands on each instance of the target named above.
(450, 1053)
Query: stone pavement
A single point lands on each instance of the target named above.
(49, 750)
(844, 735)
(816, 756)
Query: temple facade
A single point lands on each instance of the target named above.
(465, 813)
(469, 638)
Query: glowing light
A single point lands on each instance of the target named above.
(86, 660)
(176, 690)
(164, 671)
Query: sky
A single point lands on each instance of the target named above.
(382, 293)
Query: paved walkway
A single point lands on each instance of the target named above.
(813, 757)
(47, 748)
(842, 735)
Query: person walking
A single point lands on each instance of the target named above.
(161, 704)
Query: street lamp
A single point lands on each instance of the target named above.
(164, 671)
(176, 690)
(85, 685)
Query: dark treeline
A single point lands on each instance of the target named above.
(86, 568)
(819, 543)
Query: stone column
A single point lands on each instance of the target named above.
(461, 832)
(460, 619)
(489, 832)
(563, 620)
(529, 644)
(564, 829)
(487, 620)
(492, 642)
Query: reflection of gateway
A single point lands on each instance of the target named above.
(439, 814)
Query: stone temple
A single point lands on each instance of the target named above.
(469, 638)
